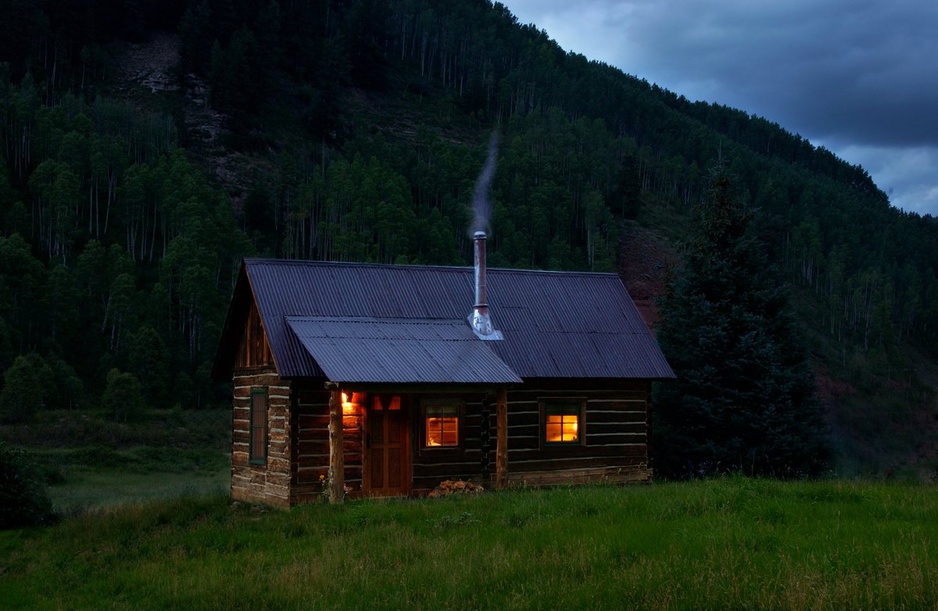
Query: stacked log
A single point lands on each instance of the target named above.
(458, 486)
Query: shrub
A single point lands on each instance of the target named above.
(123, 396)
(23, 497)
(25, 386)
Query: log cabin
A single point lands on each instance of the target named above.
(384, 380)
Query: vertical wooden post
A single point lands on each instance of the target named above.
(336, 451)
(649, 432)
(501, 440)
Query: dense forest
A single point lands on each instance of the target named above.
(354, 130)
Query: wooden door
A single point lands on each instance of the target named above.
(387, 447)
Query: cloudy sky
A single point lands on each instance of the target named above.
(859, 77)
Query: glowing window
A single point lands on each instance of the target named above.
(562, 422)
(389, 402)
(442, 426)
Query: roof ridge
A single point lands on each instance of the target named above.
(381, 319)
(398, 266)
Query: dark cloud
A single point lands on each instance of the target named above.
(858, 76)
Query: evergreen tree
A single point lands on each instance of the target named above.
(148, 360)
(123, 396)
(744, 396)
(628, 191)
(26, 385)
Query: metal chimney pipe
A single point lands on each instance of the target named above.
(479, 318)
(479, 239)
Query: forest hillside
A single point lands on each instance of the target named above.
(147, 146)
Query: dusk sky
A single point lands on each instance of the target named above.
(859, 77)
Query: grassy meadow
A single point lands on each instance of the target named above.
(727, 543)
(90, 462)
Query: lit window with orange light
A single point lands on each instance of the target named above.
(442, 426)
(562, 422)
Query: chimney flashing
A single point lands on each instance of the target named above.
(481, 325)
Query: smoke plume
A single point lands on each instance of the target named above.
(481, 206)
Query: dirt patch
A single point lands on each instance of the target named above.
(151, 64)
(645, 264)
(829, 390)
(146, 71)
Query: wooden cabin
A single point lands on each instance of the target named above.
(372, 380)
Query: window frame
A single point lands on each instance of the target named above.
(258, 456)
(553, 404)
(441, 404)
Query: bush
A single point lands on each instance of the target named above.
(23, 497)
(25, 386)
(123, 396)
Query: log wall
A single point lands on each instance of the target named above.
(433, 465)
(311, 445)
(617, 431)
(268, 483)
(429, 466)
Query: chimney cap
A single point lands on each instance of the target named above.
(478, 234)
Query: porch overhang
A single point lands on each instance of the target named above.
(400, 351)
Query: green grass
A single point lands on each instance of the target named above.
(92, 463)
(729, 543)
(98, 477)
(94, 490)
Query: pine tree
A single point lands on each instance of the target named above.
(744, 398)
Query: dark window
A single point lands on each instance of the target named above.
(441, 426)
(258, 451)
(563, 421)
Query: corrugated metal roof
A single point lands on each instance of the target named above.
(399, 350)
(555, 324)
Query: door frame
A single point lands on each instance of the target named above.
(406, 455)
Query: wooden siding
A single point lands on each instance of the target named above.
(254, 350)
(433, 465)
(268, 483)
(615, 448)
(428, 466)
(311, 445)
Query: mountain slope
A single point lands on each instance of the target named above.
(355, 131)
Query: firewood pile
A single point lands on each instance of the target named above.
(458, 486)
